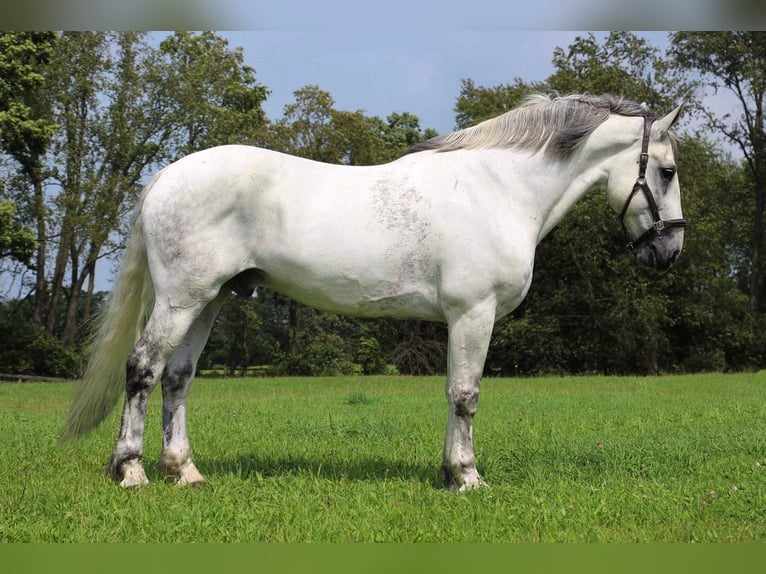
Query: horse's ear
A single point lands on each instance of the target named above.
(662, 125)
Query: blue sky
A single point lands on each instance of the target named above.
(382, 72)
(485, 15)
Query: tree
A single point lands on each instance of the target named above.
(312, 128)
(211, 97)
(590, 309)
(123, 107)
(712, 326)
(109, 136)
(304, 130)
(623, 64)
(606, 297)
(736, 61)
(26, 128)
(305, 127)
(401, 131)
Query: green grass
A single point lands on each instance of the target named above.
(592, 459)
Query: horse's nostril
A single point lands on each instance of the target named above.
(652, 256)
(674, 256)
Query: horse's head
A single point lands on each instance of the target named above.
(643, 188)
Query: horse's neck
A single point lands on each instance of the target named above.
(547, 188)
(587, 167)
(570, 181)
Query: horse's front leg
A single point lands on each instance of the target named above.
(469, 336)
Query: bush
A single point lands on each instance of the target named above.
(326, 357)
(27, 350)
(370, 356)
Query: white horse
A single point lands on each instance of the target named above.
(445, 233)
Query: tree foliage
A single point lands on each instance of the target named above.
(210, 96)
(736, 63)
(26, 129)
(478, 103)
(16, 241)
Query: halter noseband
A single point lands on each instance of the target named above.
(659, 224)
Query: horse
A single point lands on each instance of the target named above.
(447, 232)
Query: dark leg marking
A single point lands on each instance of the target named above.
(173, 382)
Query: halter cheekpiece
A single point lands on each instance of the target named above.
(659, 224)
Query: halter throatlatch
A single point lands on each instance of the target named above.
(659, 224)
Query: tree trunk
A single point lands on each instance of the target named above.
(57, 283)
(69, 331)
(756, 270)
(40, 285)
(651, 362)
(758, 166)
(86, 310)
(293, 322)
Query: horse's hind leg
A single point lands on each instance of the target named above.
(165, 330)
(175, 459)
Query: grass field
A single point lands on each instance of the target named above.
(591, 459)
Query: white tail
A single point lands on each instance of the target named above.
(116, 332)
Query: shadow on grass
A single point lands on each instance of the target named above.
(252, 467)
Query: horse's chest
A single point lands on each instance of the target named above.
(512, 284)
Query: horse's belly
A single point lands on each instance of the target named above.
(347, 296)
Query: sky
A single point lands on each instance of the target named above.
(419, 15)
(382, 72)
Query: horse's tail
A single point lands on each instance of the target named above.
(115, 332)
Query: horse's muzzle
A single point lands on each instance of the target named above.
(662, 251)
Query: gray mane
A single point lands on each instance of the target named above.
(559, 124)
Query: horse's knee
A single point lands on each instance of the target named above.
(175, 378)
(140, 375)
(464, 398)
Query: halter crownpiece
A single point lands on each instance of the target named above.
(659, 224)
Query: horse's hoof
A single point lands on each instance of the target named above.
(190, 476)
(132, 473)
(185, 474)
(473, 485)
(464, 480)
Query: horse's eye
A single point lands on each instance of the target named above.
(667, 173)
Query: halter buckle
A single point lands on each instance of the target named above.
(659, 225)
(643, 161)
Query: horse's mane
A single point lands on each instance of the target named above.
(559, 124)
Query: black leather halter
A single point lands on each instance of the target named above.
(659, 224)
